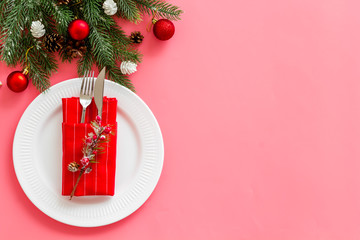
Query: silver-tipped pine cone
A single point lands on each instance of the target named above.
(37, 29)
(128, 67)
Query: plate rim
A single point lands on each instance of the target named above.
(27, 189)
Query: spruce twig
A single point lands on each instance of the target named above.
(128, 10)
(159, 9)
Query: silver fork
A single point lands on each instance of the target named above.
(86, 92)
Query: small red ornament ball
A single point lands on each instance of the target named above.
(79, 29)
(17, 81)
(164, 29)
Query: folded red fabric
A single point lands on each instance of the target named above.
(101, 180)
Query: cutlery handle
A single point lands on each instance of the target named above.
(83, 115)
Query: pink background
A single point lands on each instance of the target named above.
(259, 105)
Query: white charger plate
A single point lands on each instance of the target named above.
(37, 156)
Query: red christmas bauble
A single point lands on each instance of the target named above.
(79, 29)
(164, 29)
(17, 81)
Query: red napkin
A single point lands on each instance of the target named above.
(101, 180)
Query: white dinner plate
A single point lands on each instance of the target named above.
(37, 156)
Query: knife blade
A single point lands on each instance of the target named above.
(99, 91)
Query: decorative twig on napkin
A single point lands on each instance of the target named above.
(90, 149)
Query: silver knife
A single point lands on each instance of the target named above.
(99, 91)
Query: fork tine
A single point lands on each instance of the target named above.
(82, 82)
(92, 83)
(86, 92)
(89, 93)
(88, 84)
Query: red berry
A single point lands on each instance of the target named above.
(107, 130)
(85, 161)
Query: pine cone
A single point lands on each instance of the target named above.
(53, 42)
(136, 37)
(73, 167)
(37, 29)
(110, 7)
(75, 48)
(128, 67)
(65, 2)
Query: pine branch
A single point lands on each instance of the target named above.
(115, 74)
(85, 63)
(99, 39)
(128, 55)
(39, 62)
(106, 48)
(159, 9)
(119, 37)
(92, 12)
(101, 47)
(107, 44)
(129, 10)
(107, 56)
(5, 7)
(60, 16)
(123, 47)
(12, 32)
